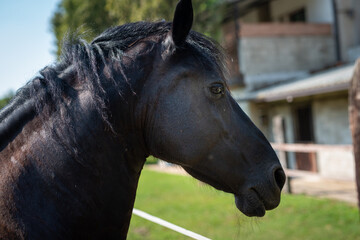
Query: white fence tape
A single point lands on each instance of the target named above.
(169, 225)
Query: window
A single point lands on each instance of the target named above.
(298, 16)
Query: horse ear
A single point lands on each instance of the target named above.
(182, 22)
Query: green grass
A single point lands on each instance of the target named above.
(151, 160)
(183, 201)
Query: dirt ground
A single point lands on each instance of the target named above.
(341, 190)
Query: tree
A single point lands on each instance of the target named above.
(88, 17)
(94, 16)
(354, 116)
(5, 100)
(206, 12)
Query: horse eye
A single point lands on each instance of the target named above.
(217, 88)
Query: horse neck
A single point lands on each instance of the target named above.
(114, 159)
(91, 161)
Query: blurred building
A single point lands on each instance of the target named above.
(291, 63)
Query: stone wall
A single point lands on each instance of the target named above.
(331, 126)
(280, 52)
(284, 54)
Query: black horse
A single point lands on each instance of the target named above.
(74, 140)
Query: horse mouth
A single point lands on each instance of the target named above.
(252, 204)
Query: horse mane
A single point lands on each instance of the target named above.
(84, 61)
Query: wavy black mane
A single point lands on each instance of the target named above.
(84, 61)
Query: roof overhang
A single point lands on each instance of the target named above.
(334, 80)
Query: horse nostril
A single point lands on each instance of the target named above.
(280, 177)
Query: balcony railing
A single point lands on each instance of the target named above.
(278, 51)
(283, 29)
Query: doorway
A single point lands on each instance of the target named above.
(304, 133)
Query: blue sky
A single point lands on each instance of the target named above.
(26, 42)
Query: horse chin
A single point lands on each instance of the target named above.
(250, 204)
(208, 179)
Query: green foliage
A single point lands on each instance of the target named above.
(94, 16)
(151, 160)
(206, 12)
(84, 16)
(5, 100)
(184, 202)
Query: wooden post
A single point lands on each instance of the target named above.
(279, 137)
(354, 117)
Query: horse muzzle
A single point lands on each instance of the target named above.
(256, 200)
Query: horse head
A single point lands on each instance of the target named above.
(190, 118)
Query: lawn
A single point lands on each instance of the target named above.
(183, 201)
